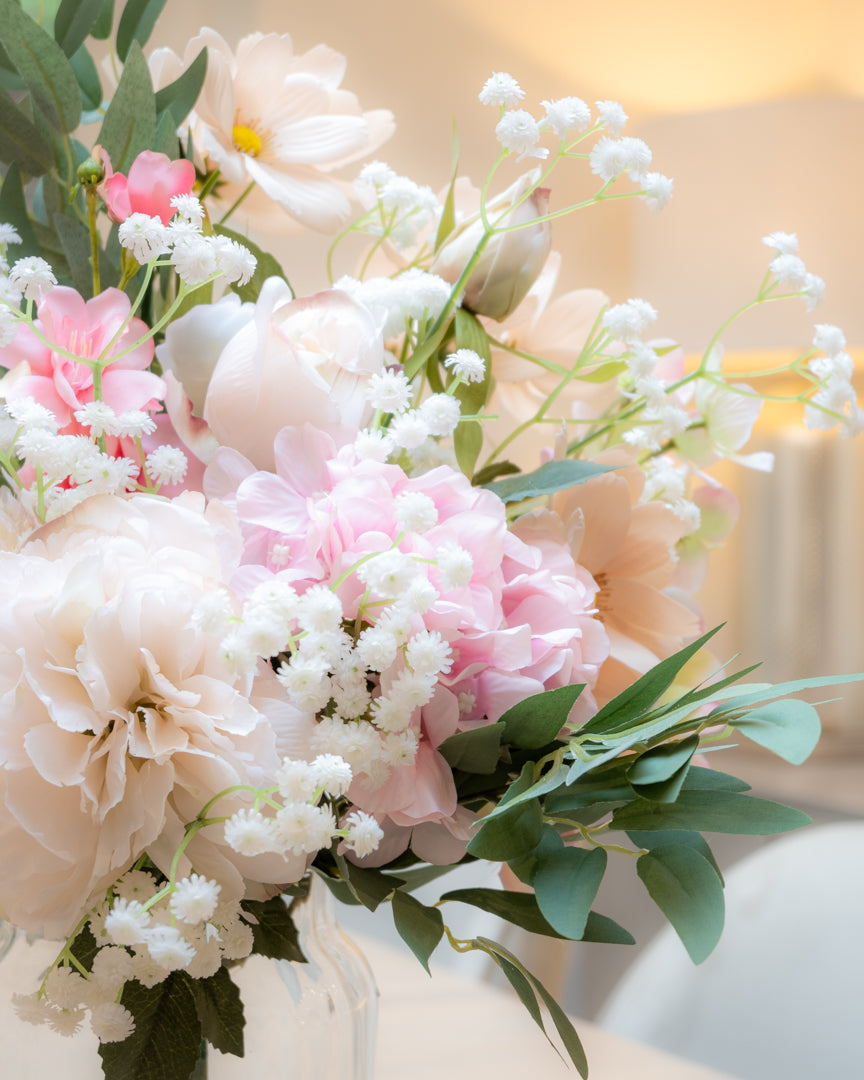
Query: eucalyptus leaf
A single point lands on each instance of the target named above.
(370, 886)
(75, 239)
(42, 65)
(475, 751)
(21, 142)
(535, 721)
(526, 866)
(549, 478)
(73, 23)
(180, 96)
(642, 694)
(101, 29)
(136, 24)
(686, 888)
(220, 1011)
(419, 926)
(700, 778)
(789, 727)
(659, 773)
(89, 85)
(711, 811)
(13, 209)
(130, 120)
(467, 444)
(651, 840)
(510, 835)
(566, 882)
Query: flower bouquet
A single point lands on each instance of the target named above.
(356, 586)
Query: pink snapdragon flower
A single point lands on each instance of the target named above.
(85, 330)
(153, 181)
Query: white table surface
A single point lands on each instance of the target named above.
(451, 1027)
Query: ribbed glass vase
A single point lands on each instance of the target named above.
(312, 1021)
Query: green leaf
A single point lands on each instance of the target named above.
(659, 773)
(180, 95)
(73, 23)
(642, 694)
(700, 778)
(419, 926)
(13, 208)
(680, 838)
(421, 875)
(474, 751)
(21, 142)
(566, 882)
(493, 471)
(537, 720)
(549, 478)
(790, 727)
(511, 834)
(448, 211)
(371, 887)
(268, 265)
(87, 76)
(273, 930)
(166, 1042)
(711, 811)
(467, 444)
(220, 1011)
(768, 691)
(165, 140)
(130, 121)
(526, 866)
(76, 247)
(101, 29)
(549, 781)
(136, 24)
(600, 928)
(686, 888)
(560, 1019)
(42, 65)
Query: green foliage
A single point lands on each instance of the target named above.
(536, 721)
(476, 750)
(273, 929)
(711, 811)
(549, 478)
(136, 24)
(419, 926)
(687, 889)
(566, 883)
(472, 397)
(130, 121)
(21, 142)
(268, 265)
(790, 728)
(179, 96)
(220, 1012)
(74, 21)
(42, 65)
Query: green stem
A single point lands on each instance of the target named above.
(91, 198)
(246, 191)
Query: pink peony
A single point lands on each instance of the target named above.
(119, 718)
(84, 329)
(153, 180)
(520, 619)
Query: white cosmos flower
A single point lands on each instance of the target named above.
(268, 115)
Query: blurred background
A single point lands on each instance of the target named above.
(757, 111)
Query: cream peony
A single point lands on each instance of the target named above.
(296, 362)
(268, 116)
(119, 718)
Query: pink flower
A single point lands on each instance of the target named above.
(84, 329)
(153, 180)
(119, 717)
(517, 615)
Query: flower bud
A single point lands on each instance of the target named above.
(90, 172)
(511, 261)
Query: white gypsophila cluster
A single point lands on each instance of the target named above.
(610, 157)
(364, 693)
(31, 277)
(501, 89)
(612, 116)
(412, 296)
(195, 257)
(466, 365)
(566, 115)
(789, 268)
(657, 190)
(400, 209)
(68, 468)
(144, 932)
(627, 322)
(667, 481)
(835, 402)
(518, 132)
(8, 235)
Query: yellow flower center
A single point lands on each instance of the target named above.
(246, 140)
